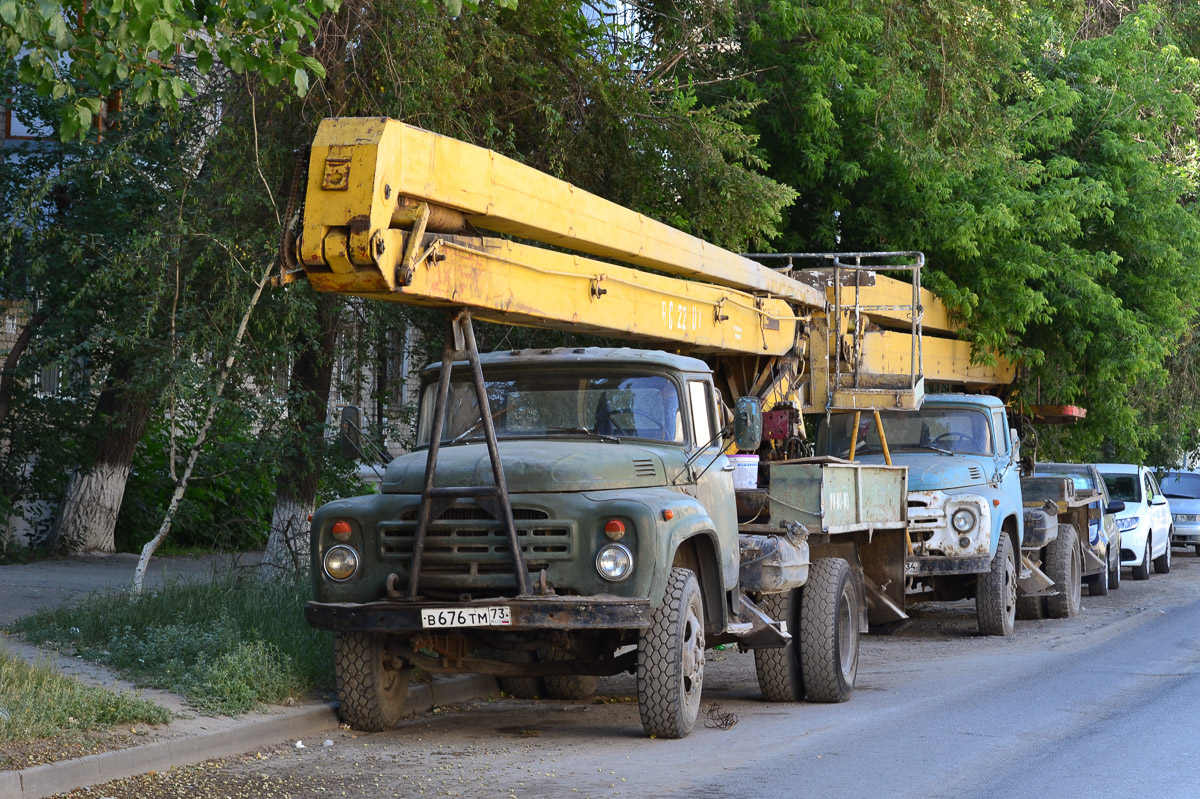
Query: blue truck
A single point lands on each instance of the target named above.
(976, 529)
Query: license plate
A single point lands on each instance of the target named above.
(490, 616)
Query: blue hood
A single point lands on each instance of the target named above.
(931, 471)
(1180, 505)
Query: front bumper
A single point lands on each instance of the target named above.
(531, 613)
(935, 565)
(1185, 533)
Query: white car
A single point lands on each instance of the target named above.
(1145, 524)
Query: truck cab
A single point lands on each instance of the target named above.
(965, 505)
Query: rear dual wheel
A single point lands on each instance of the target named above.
(1064, 565)
(821, 661)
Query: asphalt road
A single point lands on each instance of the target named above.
(1106, 704)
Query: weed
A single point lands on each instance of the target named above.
(227, 645)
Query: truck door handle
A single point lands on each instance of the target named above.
(729, 467)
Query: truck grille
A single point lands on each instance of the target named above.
(467, 541)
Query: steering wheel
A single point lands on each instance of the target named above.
(952, 438)
(636, 414)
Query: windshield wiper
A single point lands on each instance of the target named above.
(925, 446)
(586, 432)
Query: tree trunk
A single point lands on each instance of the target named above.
(308, 404)
(10, 361)
(87, 516)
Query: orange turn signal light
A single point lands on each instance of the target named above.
(615, 529)
(341, 531)
(668, 514)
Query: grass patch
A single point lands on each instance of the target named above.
(38, 702)
(228, 645)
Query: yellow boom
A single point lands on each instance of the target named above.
(395, 213)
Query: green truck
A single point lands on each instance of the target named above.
(586, 523)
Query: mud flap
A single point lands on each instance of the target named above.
(1092, 562)
(881, 610)
(759, 631)
(1032, 580)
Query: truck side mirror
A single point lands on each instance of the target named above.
(350, 432)
(747, 423)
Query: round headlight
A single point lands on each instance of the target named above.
(341, 563)
(963, 520)
(614, 562)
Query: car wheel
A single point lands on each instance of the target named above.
(1142, 570)
(1098, 584)
(1162, 564)
(1114, 569)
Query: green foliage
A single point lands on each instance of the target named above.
(228, 504)
(228, 645)
(40, 702)
(1049, 178)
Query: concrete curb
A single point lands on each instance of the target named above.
(241, 735)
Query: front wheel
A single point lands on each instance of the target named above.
(829, 611)
(1142, 570)
(996, 592)
(1162, 564)
(1064, 566)
(670, 661)
(372, 688)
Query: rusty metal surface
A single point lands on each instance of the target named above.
(836, 497)
(537, 613)
(936, 564)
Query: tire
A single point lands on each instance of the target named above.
(829, 612)
(1197, 548)
(568, 686)
(1029, 608)
(1162, 564)
(1098, 584)
(1142, 572)
(996, 592)
(1064, 565)
(517, 687)
(1114, 571)
(779, 676)
(372, 691)
(670, 660)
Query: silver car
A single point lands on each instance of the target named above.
(1182, 490)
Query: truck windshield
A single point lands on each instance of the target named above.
(558, 404)
(954, 430)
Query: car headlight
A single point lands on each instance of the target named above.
(1127, 523)
(341, 562)
(614, 562)
(1187, 517)
(963, 520)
